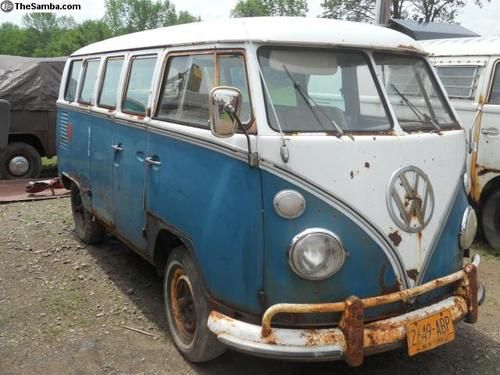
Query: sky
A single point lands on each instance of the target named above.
(483, 20)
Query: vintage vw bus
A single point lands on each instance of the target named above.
(298, 182)
(470, 71)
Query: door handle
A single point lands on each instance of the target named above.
(117, 147)
(490, 132)
(152, 161)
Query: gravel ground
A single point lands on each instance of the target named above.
(66, 308)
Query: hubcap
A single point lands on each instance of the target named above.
(182, 303)
(19, 165)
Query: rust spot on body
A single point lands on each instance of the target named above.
(482, 171)
(352, 174)
(395, 237)
(367, 164)
(412, 274)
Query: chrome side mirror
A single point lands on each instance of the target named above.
(224, 106)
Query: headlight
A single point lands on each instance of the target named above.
(316, 254)
(468, 228)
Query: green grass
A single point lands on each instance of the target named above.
(49, 163)
(485, 250)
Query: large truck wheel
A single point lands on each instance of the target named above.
(88, 229)
(187, 309)
(490, 218)
(20, 161)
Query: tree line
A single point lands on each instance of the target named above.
(45, 34)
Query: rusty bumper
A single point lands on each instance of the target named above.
(353, 338)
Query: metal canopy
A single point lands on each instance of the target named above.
(430, 30)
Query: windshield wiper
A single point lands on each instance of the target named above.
(308, 99)
(423, 117)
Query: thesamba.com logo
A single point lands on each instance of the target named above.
(7, 6)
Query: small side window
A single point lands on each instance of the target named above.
(71, 83)
(139, 85)
(112, 70)
(459, 81)
(494, 97)
(187, 83)
(89, 80)
(184, 95)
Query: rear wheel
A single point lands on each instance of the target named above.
(88, 229)
(490, 218)
(20, 160)
(187, 310)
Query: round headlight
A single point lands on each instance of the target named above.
(468, 228)
(316, 254)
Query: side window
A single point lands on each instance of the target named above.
(74, 73)
(188, 81)
(459, 81)
(89, 80)
(112, 70)
(495, 87)
(232, 73)
(139, 85)
(184, 95)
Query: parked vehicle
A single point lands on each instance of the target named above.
(470, 71)
(28, 95)
(299, 183)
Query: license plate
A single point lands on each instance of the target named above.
(430, 332)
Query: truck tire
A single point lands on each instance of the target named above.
(187, 309)
(20, 161)
(88, 229)
(490, 219)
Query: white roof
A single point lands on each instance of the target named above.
(293, 30)
(480, 46)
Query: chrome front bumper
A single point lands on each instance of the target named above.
(353, 339)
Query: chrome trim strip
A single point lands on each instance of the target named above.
(327, 197)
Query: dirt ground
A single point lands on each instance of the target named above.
(64, 309)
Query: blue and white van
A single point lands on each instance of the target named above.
(299, 183)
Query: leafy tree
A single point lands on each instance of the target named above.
(427, 10)
(250, 8)
(257, 8)
(126, 16)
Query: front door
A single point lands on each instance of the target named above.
(489, 138)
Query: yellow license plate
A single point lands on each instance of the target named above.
(430, 332)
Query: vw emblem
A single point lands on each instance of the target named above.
(410, 199)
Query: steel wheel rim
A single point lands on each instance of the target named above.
(19, 165)
(183, 306)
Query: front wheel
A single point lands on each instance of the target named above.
(490, 218)
(187, 310)
(20, 160)
(88, 229)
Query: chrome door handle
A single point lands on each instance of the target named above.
(117, 147)
(152, 161)
(490, 131)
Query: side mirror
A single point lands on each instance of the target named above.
(224, 106)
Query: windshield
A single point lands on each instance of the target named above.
(415, 97)
(318, 90)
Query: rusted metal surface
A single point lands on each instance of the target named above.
(182, 303)
(470, 286)
(395, 237)
(16, 190)
(481, 171)
(475, 192)
(352, 326)
(402, 295)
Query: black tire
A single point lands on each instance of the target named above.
(25, 153)
(88, 229)
(187, 310)
(490, 219)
